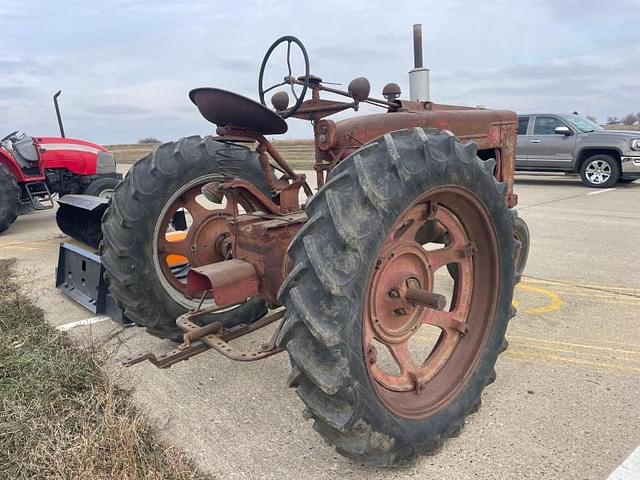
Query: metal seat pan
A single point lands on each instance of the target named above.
(228, 109)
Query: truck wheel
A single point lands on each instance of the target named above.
(385, 379)
(102, 187)
(145, 260)
(600, 171)
(9, 198)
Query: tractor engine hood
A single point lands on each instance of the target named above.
(77, 156)
(68, 144)
(488, 128)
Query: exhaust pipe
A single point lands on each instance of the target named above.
(55, 103)
(419, 76)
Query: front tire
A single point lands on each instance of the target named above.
(9, 198)
(102, 187)
(143, 266)
(368, 228)
(600, 171)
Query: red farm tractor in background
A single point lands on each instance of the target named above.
(34, 169)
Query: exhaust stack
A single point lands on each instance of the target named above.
(419, 76)
(55, 103)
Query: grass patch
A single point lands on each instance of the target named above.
(299, 153)
(60, 414)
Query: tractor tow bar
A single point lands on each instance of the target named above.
(214, 336)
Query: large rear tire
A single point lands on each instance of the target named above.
(9, 198)
(369, 226)
(134, 230)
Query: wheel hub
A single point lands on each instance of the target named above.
(394, 319)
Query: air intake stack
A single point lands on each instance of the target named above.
(419, 76)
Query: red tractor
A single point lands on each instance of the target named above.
(390, 287)
(33, 169)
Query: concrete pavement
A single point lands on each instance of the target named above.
(564, 406)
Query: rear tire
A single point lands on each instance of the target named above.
(102, 187)
(521, 235)
(600, 171)
(9, 198)
(129, 229)
(337, 258)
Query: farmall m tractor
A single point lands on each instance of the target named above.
(390, 287)
(33, 169)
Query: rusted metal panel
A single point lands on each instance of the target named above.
(263, 242)
(489, 129)
(231, 281)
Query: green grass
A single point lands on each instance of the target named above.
(61, 416)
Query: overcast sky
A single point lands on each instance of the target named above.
(125, 67)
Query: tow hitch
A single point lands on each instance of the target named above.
(198, 339)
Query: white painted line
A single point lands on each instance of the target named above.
(80, 323)
(597, 192)
(629, 469)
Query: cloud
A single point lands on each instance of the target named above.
(126, 66)
(8, 93)
(117, 110)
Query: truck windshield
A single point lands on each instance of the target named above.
(582, 124)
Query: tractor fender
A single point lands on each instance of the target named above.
(8, 161)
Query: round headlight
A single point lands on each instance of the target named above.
(635, 144)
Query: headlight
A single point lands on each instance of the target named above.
(635, 144)
(105, 163)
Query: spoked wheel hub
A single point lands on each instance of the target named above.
(205, 240)
(441, 228)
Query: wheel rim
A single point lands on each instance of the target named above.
(455, 218)
(175, 252)
(598, 172)
(106, 193)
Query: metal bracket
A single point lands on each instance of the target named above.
(199, 339)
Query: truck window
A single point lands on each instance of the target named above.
(523, 123)
(546, 125)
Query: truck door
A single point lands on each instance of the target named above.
(522, 151)
(548, 149)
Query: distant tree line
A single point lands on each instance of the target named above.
(629, 119)
(149, 140)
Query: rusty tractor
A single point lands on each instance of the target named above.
(390, 287)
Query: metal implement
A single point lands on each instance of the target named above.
(80, 276)
(80, 217)
(214, 336)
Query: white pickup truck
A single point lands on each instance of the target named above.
(550, 142)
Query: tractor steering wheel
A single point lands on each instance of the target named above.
(289, 79)
(7, 137)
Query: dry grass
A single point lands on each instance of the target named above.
(622, 127)
(299, 153)
(60, 414)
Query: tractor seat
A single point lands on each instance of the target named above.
(228, 109)
(24, 151)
